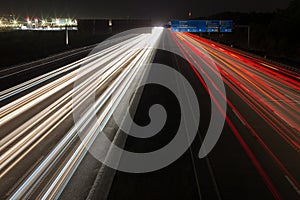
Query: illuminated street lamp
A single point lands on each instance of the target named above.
(36, 22)
(15, 22)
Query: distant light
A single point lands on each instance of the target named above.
(110, 23)
(158, 27)
(69, 21)
(15, 22)
(57, 21)
(43, 22)
(0, 21)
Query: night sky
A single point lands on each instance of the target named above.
(154, 9)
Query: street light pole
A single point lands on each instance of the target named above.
(67, 35)
(249, 36)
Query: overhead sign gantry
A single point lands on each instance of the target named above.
(201, 26)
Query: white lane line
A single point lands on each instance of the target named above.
(24, 176)
(291, 98)
(238, 116)
(292, 184)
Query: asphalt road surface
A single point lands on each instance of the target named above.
(257, 155)
(41, 146)
(47, 123)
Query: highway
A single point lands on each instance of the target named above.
(43, 156)
(47, 64)
(40, 147)
(48, 68)
(257, 156)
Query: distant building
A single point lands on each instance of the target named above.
(63, 22)
(9, 21)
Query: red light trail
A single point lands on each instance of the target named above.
(267, 89)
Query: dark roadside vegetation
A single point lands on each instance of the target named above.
(275, 35)
(17, 47)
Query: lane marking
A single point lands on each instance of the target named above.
(9, 193)
(291, 98)
(238, 116)
(292, 184)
